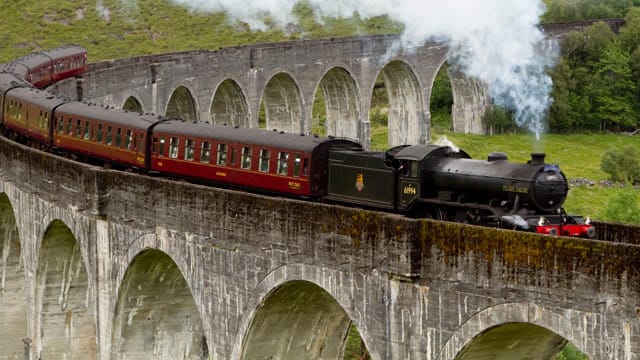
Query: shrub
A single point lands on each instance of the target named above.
(622, 165)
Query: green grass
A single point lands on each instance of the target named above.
(135, 28)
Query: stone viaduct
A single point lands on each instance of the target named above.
(229, 85)
(101, 264)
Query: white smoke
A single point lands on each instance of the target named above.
(444, 141)
(496, 41)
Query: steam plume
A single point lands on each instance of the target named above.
(497, 41)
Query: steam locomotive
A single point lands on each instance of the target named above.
(419, 181)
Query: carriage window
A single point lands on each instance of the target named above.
(127, 140)
(161, 150)
(99, 133)
(246, 157)
(190, 149)
(40, 120)
(140, 142)
(296, 165)
(222, 154)
(205, 152)
(78, 128)
(305, 167)
(134, 141)
(86, 130)
(118, 137)
(45, 125)
(283, 163)
(60, 123)
(173, 147)
(108, 135)
(264, 160)
(70, 126)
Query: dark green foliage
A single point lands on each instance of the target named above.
(441, 100)
(570, 352)
(497, 120)
(576, 10)
(597, 81)
(622, 165)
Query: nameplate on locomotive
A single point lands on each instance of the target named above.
(515, 189)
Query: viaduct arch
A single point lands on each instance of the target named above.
(230, 86)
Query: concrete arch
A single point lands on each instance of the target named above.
(65, 324)
(407, 121)
(342, 103)
(182, 104)
(13, 294)
(156, 313)
(319, 316)
(515, 328)
(132, 104)
(229, 105)
(283, 104)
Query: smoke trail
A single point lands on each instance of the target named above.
(496, 41)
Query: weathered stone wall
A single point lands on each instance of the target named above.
(414, 289)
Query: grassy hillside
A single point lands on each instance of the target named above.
(123, 28)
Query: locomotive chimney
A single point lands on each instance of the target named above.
(537, 158)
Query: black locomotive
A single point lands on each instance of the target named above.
(427, 181)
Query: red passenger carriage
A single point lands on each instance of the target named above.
(110, 135)
(270, 161)
(27, 111)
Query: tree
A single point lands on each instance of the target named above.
(614, 97)
(563, 114)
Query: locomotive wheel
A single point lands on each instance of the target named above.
(463, 217)
(435, 214)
